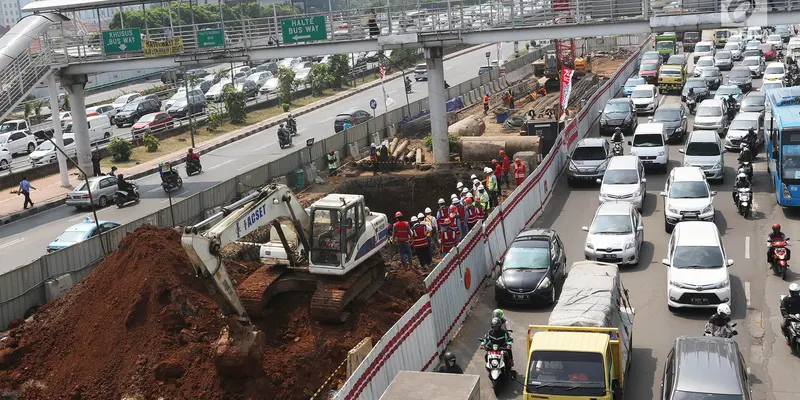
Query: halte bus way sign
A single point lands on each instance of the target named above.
(121, 41)
(306, 29)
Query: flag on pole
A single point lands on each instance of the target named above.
(566, 88)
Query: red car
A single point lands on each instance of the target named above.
(768, 50)
(649, 71)
(152, 122)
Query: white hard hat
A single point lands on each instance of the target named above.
(421, 216)
(453, 196)
(459, 185)
(794, 287)
(374, 145)
(480, 187)
(465, 190)
(487, 170)
(476, 181)
(428, 209)
(724, 309)
(455, 200)
(414, 219)
(473, 177)
(441, 201)
(469, 195)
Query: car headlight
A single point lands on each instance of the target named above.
(785, 191)
(572, 167)
(500, 283)
(589, 245)
(709, 208)
(679, 129)
(602, 166)
(545, 283)
(717, 165)
(603, 122)
(660, 153)
(629, 244)
(678, 284)
(672, 209)
(722, 284)
(637, 192)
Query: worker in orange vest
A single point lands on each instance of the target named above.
(448, 235)
(401, 235)
(486, 100)
(506, 166)
(419, 241)
(519, 171)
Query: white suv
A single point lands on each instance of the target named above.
(624, 181)
(421, 72)
(687, 197)
(697, 276)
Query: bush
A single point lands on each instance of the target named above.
(339, 69)
(320, 78)
(236, 104)
(120, 149)
(285, 107)
(454, 141)
(214, 120)
(404, 58)
(286, 84)
(151, 143)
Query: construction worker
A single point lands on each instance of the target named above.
(472, 214)
(433, 236)
(484, 199)
(478, 209)
(332, 170)
(448, 236)
(462, 217)
(453, 212)
(373, 158)
(383, 156)
(505, 163)
(491, 186)
(401, 235)
(419, 242)
(519, 171)
(498, 173)
(510, 98)
(464, 192)
(486, 100)
(443, 213)
(475, 183)
(459, 186)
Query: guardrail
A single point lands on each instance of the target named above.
(23, 288)
(415, 342)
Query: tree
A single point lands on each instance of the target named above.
(404, 58)
(159, 17)
(286, 84)
(319, 78)
(235, 103)
(339, 69)
(65, 104)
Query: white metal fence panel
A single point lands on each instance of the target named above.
(495, 234)
(20, 289)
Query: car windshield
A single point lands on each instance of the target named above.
(765, 47)
(697, 257)
(667, 115)
(723, 55)
(616, 107)
(695, 83)
(753, 101)
(743, 124)
(771, 85)
(8, 127)
(649, 66)
(709, 111)
(664, 45)
(704, 63)
(531, 254)
(775, 38)
(752, 53)
(702, 48)
(71, 236)
(130, 106)
(721, 34)
(691, 35)
(776, 70)
(147, 118)
(180, 103)
(589, 153)
(633, 82)
(46, 146)
(732, 46)
(566, 369)
(726, 90)
(648, 140)
(612, 224)
(711, 72)
(642, 94)
(702, 149)
(651, 55)
(670, 72)
(120, 100)
(751, 62)
(688, 190)
(739, 73)
(621, 177)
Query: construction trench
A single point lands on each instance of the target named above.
(143, 326)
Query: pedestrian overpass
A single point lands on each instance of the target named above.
(53, 41)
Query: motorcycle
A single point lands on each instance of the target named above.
(171, 180)
(193, 168)
(780, 256)
(744, 201)
(720, 331)
(496, 365)
(284, 140)
(747, 168)
(122, 197)
(731, 111)
(292, 127)
(408, 86)
(792, 334)
(617, 149)
(692, 104)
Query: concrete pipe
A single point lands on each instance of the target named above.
(418, 159)
(400, 150)
(393, 145)
(487, 148)
(469, 126)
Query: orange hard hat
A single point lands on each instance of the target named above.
(398, 214)
(469, 200)
(502, 152)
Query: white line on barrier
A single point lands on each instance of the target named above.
(249, 165)
(11, 243)
(220, 164)
(747, 247)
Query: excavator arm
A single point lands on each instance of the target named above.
(204, 240)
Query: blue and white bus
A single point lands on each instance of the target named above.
(782, 143)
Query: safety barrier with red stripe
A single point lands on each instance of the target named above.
(416, 340)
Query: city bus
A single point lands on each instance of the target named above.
(782, 143)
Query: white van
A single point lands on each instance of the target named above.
(755, 33)
(99, 128)
(650, 145)
(794, 46)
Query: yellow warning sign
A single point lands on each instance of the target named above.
(168, 47)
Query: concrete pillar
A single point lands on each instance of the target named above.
(437, 99)
(80, 127)
(58, 136)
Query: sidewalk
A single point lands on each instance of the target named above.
(50, 194)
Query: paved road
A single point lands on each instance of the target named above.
(25, 240)
(755, 290)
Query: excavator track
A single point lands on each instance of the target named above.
(251, 291)
(334, 294)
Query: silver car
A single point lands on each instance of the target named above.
(103, 188)
(616, 234)
(589, 159)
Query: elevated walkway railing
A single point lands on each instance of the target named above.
(21, 76)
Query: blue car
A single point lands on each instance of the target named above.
(631, 84)
(79, 232)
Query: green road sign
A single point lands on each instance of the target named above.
(210, 38)
(122, 41)
(304, 29)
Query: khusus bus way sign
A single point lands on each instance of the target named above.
(304, 29)
(122, 41)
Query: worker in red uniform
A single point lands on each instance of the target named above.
(419, 242)
(519, 171)
(498, 174)
(442, 213)
(506, 166)
(448, 236)
(461, 217)
(401, 235)
(472, 214)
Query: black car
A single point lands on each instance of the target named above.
(249, 88)
(740, 76)
(354, 117)
(532, 270)
(171, 75)
(754, 102)
(705, 368)
(675, 121)
(713, 77)
(180, 108)
(700, 87)
(134, 110)
(619, 113)
(153, 97)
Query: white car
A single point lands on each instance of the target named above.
(215, 93)
(260, 77)
(735, 48)
(301, 75)
(615, 235)
(704, 150)
(771, 85)
(5, 159)
(103, 109)
(650, 144)
(421, 72)
(776, 41)
(46, 153)
(775, 71)
(687, 197)
(703, 49)
(702, 63)
(269, 87)
(623, 181)
(697, 276)
(711, 114)
(121, 101)
(645, 98)
(739, 127)
(755, 64)
(17, 142)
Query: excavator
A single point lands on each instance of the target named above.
(564, 55)
(331, 249)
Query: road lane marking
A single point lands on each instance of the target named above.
(157, 188)
(220, 164)
(747, 293)
(747, 247)
(11, 243)
(263, 147)
(328, 119)
(249, 165)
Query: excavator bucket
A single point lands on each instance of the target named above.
(239, 351)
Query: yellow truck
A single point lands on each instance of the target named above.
(671, 78)
(584, 352)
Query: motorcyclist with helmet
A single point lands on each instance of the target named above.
(741, 182)
(283, 135)
(691, 96)
(752, 141)
(731, 106)
(449, 365)
(744, 153)
(618, 137)
(720, 319)
(193, 158)
(499, 336)
(790, 305)
(776, 234)
(125, 186)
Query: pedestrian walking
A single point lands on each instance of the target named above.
(431, 221)
(448, 236)
(519, 171)
(373, 158)
(505, 163)
(401, 235)
(419, 242)
(486, 100)
(25, 188)
(96, 162)
(333, 173)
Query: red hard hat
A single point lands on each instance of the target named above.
(398, 214)
(453, 207)
(502, 152)
(469, 200)
(332, 152)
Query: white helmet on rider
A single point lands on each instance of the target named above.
(741, 175)
(794, 290)
(724, 309)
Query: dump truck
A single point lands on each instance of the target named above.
(584, 352)
(412, 385)
(667, 45)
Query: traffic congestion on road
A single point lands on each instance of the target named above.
(27, 239)
(691, 245)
